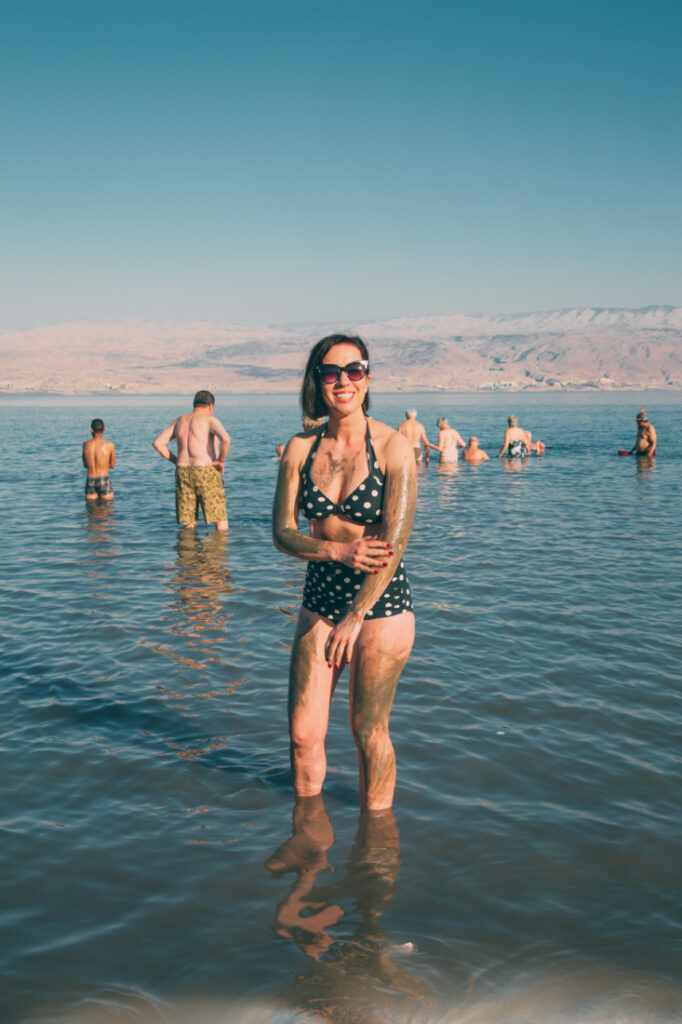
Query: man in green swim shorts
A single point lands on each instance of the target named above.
(198, 467)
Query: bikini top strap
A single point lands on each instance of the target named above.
(311, 454)
(372, 460)
(371, 454)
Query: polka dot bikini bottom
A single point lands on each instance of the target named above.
(330, 588)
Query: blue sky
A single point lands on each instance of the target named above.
(311, 160)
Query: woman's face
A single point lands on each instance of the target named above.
(344, 395)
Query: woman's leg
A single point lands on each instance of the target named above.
(311, 685)
(381, 651)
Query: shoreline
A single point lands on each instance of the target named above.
(578, 388)
(492, 397)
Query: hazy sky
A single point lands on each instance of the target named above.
(285, 160)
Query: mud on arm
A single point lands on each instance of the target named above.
(400, 499)
(285, 532)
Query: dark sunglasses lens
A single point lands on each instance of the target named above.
(329, 372)
(355, 371)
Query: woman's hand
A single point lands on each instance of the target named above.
(341, 642)
(369, 554)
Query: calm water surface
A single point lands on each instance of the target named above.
(153, 867)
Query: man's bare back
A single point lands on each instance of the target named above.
(198, 466)
(472, 453)
(99, 456)
(195, 436)
(415, 433)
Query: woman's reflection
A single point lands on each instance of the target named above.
(303, 916)
(363, 967)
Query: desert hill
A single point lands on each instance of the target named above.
(563, 349)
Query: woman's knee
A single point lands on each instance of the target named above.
(306, 735)
(368, 731)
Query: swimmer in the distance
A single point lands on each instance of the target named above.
(448, 441)
(472, 453)
(99, 456)
(514, 445)
(646, 436)
(415, 433)
(534, 446)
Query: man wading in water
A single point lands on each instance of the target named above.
(198, 468)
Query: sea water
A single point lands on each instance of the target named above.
(154, 867)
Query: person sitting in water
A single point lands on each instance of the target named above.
(99, 456)
(534, 446)
(279, 449)
(448, 441)
(415, 433)
(514, 444)
(646, 436)
(472, 453)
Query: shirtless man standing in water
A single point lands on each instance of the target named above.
(415, 433)
(198, 468)
(99, 456)
(646, 436)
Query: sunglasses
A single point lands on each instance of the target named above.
(330, 372)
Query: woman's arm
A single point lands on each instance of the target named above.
(505, 444)
(400, 500)
(366, 553)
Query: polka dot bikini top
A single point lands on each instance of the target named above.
(363, 505)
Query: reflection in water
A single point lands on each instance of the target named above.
(515, 465)
(300, 916)
(198, 614)
(447, 466)
(645, 464)
(200, 584)
(100, 524)
(359, 972)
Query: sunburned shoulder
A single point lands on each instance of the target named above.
(299, 446)
(389, 444)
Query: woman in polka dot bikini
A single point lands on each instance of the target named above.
(354, 479)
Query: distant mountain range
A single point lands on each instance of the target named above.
(562, 349)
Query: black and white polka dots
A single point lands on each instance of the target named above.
(364, 505)
(330, 588)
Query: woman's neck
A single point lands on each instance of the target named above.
(347, 428)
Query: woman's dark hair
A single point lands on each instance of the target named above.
(312, 402)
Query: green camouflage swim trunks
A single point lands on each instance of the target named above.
(199, 487)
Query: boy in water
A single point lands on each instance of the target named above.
(99, 456)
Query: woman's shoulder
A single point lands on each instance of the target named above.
(389, 443)
(299, 446)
